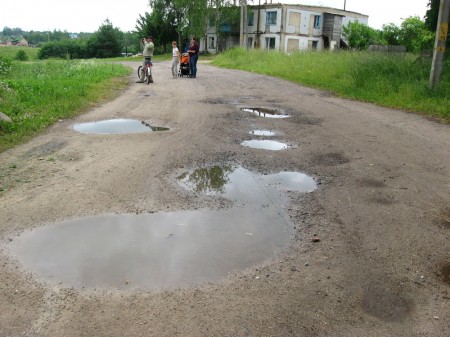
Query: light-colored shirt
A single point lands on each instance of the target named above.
(149, 47)
(175, 52)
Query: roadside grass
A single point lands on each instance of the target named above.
(392, 80)
(37, 94)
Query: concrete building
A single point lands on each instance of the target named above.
(286, 28)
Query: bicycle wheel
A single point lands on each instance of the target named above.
(139, 72)
(148, 75)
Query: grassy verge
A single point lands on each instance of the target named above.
(37, 94)
(391, 80)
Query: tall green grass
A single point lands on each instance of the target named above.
(11, 52)
(36, 95)
(392, 80)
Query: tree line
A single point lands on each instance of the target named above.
(416, 35)
(177, 20)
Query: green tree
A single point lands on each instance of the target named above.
(105, 42)
(361, 36)
(391, 34)
(431, 16)
(415, 36)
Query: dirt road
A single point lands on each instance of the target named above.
(370, 249)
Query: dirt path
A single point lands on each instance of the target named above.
(371, 251)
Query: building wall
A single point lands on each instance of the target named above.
(290, 28)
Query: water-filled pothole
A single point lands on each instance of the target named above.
(265, 133)
(116, 126)
(265, 112)
(168, 250)
(265, 144)
(237, 183)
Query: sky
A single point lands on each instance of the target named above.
(88, 15)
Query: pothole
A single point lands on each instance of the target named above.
(265, 133)
(116, 126)
(265, 112)
(265, 144)
(445, 273)
(168, 250)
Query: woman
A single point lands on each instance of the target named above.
(193, 57)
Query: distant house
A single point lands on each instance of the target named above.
(286, 28)
(73, 36)
(22, 42)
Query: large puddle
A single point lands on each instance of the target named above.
(116, 126)
(167, 250)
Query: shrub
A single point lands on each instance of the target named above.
(5, 65)
(21, 56)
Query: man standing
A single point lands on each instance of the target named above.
(193, 57)
(149, 47)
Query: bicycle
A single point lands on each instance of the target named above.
(148, 78)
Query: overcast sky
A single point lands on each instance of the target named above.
(87, 15)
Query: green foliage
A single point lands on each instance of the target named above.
(393, 80)
(105, 42)
(431, 16)
(59, 49)
(36, 95)
(391, 34)
(5, 65)
(21, 55)
(415, 36)
(361, 36)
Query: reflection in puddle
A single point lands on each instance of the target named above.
(168, 250)
(265, 112)
(265, 144)
(116, 126)
(208, 180)
(266, 133)
(237, 183)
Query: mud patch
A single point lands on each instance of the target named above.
(264, 133)
(371, 183)
(45, 149)
(443, 218)
(445, 273)
(330, 159)
(386, 305)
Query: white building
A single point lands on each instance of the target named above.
(286, 28)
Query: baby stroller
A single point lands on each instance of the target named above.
(184, 65)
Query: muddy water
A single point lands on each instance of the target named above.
(166, 250)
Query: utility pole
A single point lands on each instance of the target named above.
(345, 3)
(439, 44)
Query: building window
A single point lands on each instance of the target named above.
(251, 16)
(250, 42)
(316, 21)
(271, 18)
(314, 45)
(211, 43)
(270, 43)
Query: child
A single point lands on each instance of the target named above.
(175, 58)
